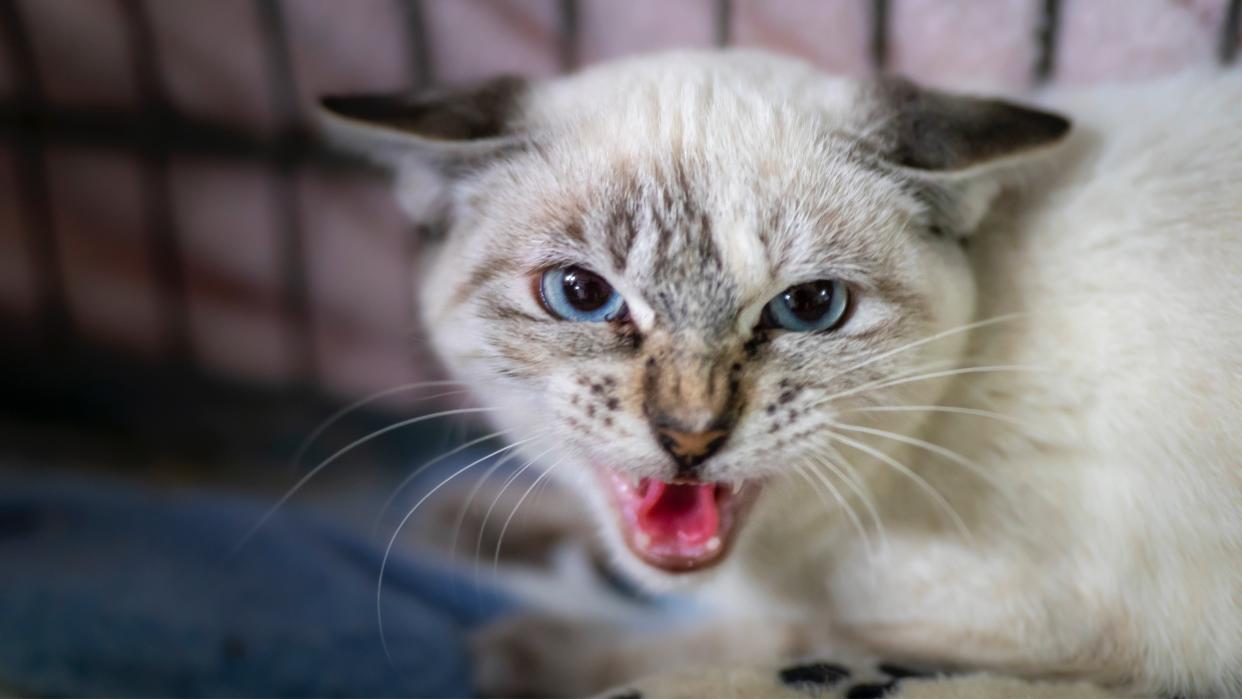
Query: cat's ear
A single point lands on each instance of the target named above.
(956, 144)
(431, 138)
(439, 125)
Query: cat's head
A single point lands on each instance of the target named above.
(681, 278)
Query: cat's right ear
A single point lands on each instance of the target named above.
(431, 138)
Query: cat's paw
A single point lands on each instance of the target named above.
(539, 656)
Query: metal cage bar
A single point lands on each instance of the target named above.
(878, 45)
(422, 74)
(417, 46)
(1046, 41)
(24, 117)
(1231, 27)
(723, 20)
(291, 144)
(183, 135)
(162, 238)
(567, 49)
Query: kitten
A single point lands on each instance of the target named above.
(875, 367)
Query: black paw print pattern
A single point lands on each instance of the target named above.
(813, 676)
(818, 678)
(871, 690)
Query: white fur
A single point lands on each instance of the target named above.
(1112, 550)
(1105, 534)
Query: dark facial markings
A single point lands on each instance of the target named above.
(680, 385)
(772, 411)
(593, 399)
(659, 235)
(622, 228)
(666, 225)
(480, 277)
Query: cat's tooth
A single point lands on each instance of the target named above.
(642, 540)
(713, 544)
(736, 487)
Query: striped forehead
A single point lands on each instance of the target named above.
(669, 240)
(693, 228)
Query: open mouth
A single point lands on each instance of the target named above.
(679, 526)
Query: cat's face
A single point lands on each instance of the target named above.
(687, 282)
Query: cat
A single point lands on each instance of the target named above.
(873, 368)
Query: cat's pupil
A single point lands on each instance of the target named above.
(809, 302)
(585, 291)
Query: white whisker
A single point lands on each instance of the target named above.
(889, 383)
(464, 510)
(478, 544)
(948, 454)
(908, 372)
(936, 409)
(923, 485)
(352, 445)
(844, 472)
(379, 518)
(379, 586)
(972, 466)
(296, 461)
(505, 527)
(938, 336)
(802, 468)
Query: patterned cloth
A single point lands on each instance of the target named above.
(854, 680)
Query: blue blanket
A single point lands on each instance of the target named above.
(110, 590)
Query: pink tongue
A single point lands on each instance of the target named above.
(673, 513)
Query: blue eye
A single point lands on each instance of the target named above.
(580, 295)
(809, 307)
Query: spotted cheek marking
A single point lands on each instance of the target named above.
(781, 412)
(596, 405)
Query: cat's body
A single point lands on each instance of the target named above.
(1107, 542)
(1074, 509)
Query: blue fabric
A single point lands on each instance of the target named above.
(111, 590)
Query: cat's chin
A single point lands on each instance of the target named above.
(680, 526)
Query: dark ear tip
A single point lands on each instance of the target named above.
(1065, 127)
(1055, 126)
(1037, 125)
(365, 107)
(481, 111)
(332, 103)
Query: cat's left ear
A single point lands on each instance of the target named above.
(430, 139)
(955, 144)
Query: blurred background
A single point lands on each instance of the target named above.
(187, 276)
(190, 282)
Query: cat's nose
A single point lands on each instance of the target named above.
(688, 448)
